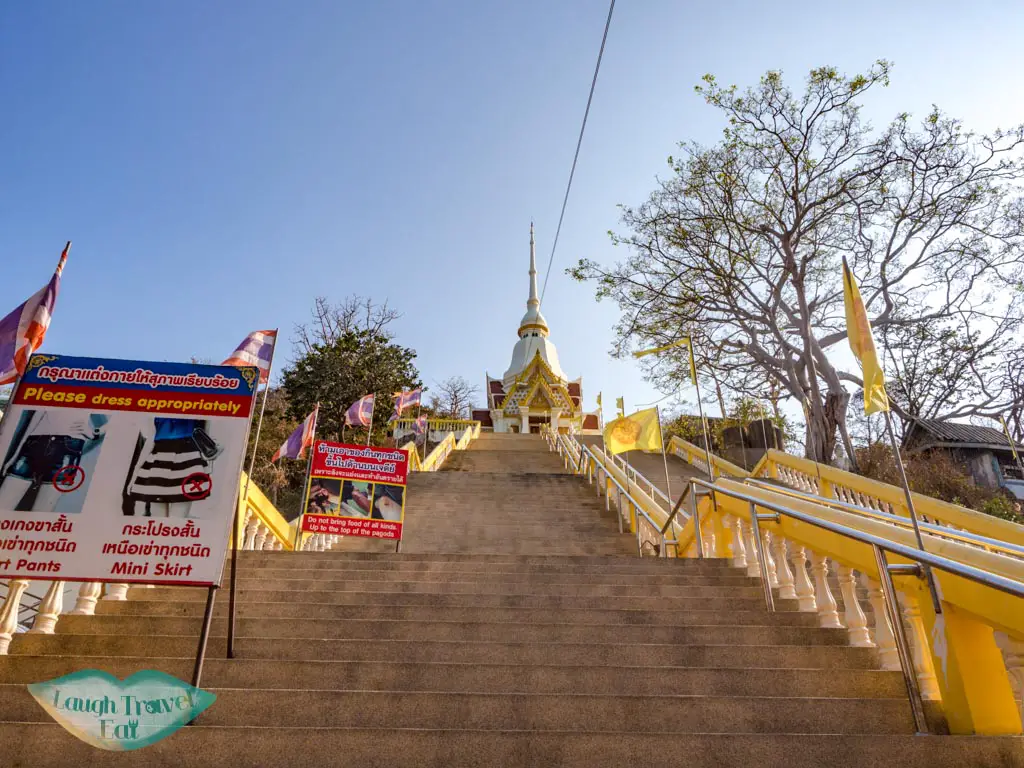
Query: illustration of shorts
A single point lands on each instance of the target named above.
(42, 457)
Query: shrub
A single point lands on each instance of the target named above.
(935, 474)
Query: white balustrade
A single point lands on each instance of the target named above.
(739, 550)
(262, 531)
(828, 609)
(753, 567)
(769, 562)
(49, 609)
(884, 639)
(783, 576)
(919, 647)
(9, 612)
(88, 594)
(802, 584)
(251, 529)
(856, 621)
(116, 592)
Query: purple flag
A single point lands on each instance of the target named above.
(361, 412)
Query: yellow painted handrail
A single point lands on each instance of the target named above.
(692, 454)
(834, 483)
(414, 456)
(263, 510)
(451, 425)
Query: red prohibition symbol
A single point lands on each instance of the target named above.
(196, 486)
(69, 479)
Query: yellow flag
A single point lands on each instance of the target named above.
(619, 406)
(685, 340)
(858, 330)
(640, 431)
(599, 400)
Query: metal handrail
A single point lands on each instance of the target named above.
(881, 548)
(954, 534)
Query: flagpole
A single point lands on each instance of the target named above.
(259, 421)
(245, 502)
(929, 578)
(664, 456)
(703, 426)
(419, 412)
(309, 473)
(1013, 447)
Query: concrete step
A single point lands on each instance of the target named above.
(46, 746)
(392, 675)
(263, 708)
(683, 581)
(527, 614)
(751, 634)
(406, 564)
(141, 602)
(466, 651)
(479, 587)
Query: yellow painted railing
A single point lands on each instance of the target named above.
(967, 659)
(259, 525)
(447, 425)
(696, 456)
(437, 457)
(832, 483)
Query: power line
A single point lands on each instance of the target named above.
(579, 143)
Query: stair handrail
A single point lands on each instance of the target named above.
(971, 606)
(639, 506)
(946, 532)
(259, 524)
(834, 483)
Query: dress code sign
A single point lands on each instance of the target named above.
(356, 490)
(121, 470)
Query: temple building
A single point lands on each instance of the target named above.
(534, 390)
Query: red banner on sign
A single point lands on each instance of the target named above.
(360, 462)
(350, 526)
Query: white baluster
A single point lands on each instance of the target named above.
(9, 612)
(249, 542)
(919, 648)
(739, 550)
(802, 584)
(49, 609)
(856, 621)
(753, 568)
(884, 639)
(828, 609)
(262, 532)
(769, 563)
(88, 594)
(116, 592)
(783, 575)
(707, 531)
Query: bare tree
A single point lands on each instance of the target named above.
(741, 247)
(332, 321)
(453, 398)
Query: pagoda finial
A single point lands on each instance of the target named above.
(533, 301)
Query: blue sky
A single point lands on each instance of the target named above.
(218, 165)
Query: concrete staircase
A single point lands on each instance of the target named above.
(516, 628)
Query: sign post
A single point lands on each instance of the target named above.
(123, 471)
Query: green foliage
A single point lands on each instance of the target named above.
(336, 373)
(935, 474)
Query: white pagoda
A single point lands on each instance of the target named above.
(534, 390)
